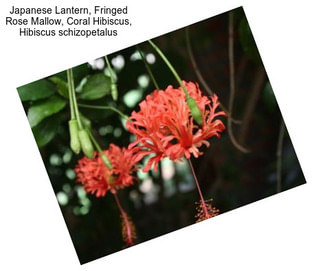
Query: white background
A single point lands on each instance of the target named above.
(283, 232)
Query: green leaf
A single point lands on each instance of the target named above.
(44, 109)
(46, 130)
(96, 86)
(36, 90)
(247, 41)
(61, 85)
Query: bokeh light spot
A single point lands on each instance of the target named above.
(62, 198)
(132, 97)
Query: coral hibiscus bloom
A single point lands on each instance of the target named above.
(165, 127)
(97, 178)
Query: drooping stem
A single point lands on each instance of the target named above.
(110, 69)
(114, 88)
(70, 80)
(279, 156)
(105, 107)
(129, 228)
(151, 75)
(232, 85)
(170, 66)
(70, 96)
(104, 157)
(96, 144)
(198, 188)
(195, 110)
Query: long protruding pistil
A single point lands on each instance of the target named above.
(128, 231)
(207, 215)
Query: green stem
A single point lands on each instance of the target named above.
(148, 68)
(114, 89)
(170, 66)
(70, 95)
(72, 88)
(96, 144)
(104, 157)
(110, 69)
(104, 107)
(195, 111)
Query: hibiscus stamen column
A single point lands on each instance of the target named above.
(204, 209)
(128, 228)
(198, 186)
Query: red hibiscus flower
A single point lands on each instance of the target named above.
(97, 178)
(165, 127)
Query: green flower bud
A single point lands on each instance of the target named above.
(75, 144)
(86, 143)
(195, 111)
(106, 161)
(114, 91)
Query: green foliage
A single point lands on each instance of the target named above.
(41, 110)
(96, 87)
(61, 85)
(46, 130)
(247, 41)
(36, 90)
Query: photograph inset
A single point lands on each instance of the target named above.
(161, 135)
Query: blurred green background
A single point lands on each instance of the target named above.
(163, 202)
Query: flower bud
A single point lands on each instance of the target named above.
(75, 144)
(106, 161)
(114, 91)
(195, 111)
(86, 143)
